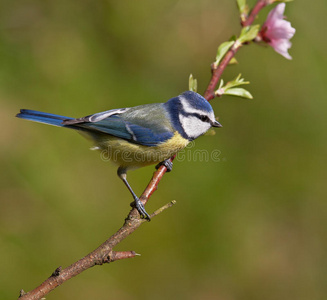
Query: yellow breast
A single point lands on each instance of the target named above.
(130, 155)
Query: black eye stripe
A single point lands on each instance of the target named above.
(203, 118)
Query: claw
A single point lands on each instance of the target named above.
(167, 163)
(140, 208)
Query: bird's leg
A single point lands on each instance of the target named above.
(137, 202)
(167, 163)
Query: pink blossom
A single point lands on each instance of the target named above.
(277, 32)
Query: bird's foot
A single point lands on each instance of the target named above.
(140, 208)
(167, 163)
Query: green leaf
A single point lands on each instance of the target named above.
(233, 61)
(240, 92)
(230, 88)
(210, 132)
(235, 82)
(192, 84)
(221, 84)
(222, 50)
(248, 33)
(233, 38)
(241, 5)
(243, 9)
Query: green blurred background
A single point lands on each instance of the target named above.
(251, 226)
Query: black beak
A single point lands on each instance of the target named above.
(216, 124)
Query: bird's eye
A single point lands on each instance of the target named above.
(204, 118)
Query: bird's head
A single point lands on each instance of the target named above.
(191, 114)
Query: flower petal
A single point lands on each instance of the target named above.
(282, 30)
(281, 46)
(276, 13)
(277, 32)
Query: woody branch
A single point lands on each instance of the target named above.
(105, 253)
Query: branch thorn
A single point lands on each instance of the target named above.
(22, 293)
(56, 272)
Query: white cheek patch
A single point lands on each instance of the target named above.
(193, 126)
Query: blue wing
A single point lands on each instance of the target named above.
(116, 126)
(145, 125)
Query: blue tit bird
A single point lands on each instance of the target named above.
(142, 135)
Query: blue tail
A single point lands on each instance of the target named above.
(41, 117)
